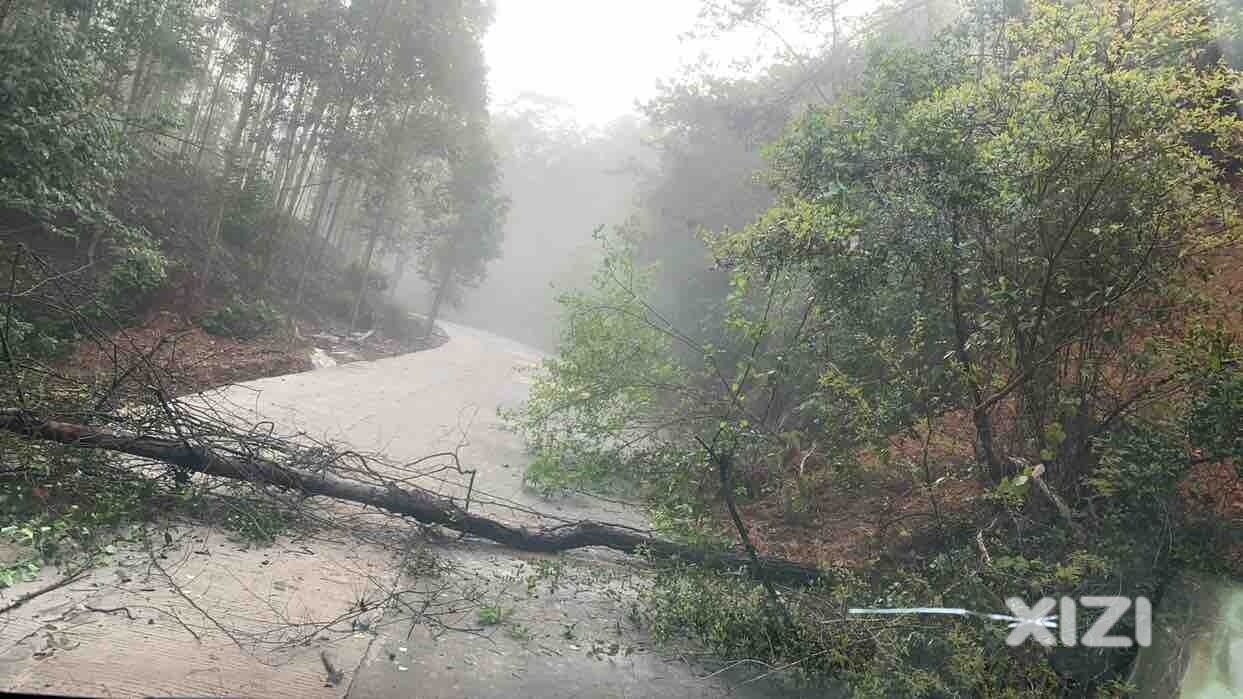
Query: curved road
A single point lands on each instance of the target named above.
(417, 404)
(538, 626)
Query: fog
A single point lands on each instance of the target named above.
(652, 122)
(842, 308)
(564, 180)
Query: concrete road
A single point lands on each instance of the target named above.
(493, 623)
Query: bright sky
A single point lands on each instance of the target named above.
(598, 55)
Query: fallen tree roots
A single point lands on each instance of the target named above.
(422, 505)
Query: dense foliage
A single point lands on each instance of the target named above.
(256, 145)
(1024, 213)
(229, 163)
(1008, 228)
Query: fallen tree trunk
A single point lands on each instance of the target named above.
(424, 506)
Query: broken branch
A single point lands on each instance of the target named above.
(422, 505)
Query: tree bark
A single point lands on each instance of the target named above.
(441, 289)
(235, 142)
(304, 153)
(211, 111)
(200, 89)
(282, 163)
(366, 269)
(423, 505)
(985, 450)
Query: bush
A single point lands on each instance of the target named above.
(249, 213)
(612, 393)
(61, 151)
(999, 207)
(394, 319)
(1215, 420)
(1139, 541)
(242, 320)
(829, 655)
(140, 269)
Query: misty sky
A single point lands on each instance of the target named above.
(601, 55)
(598, 55)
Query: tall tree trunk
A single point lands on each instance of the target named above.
(366, 270)
(442, 290)
(350, 95)
(399, 272)
(316, 254)
(303, 153)
(316, 251)
(393, 158)
(985, 449)
(321, 202)
(263, 140)
(276, 233)
(211, 112)
(281, 164)
(140, 81)
(312, 167)
(246, 149)
(306, 155)
(141, 67)
(151, 82)
(200, 90)
(339, 235)
(230, 156)
(344, 202)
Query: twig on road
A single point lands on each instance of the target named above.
(44, 590)
(109, 610)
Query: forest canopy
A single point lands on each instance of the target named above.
(303, 142)
(1004, 239)
(935, 305)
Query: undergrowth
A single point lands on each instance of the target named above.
(71, 508)
(242, 320)
(1142, 539)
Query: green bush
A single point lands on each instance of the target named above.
(140, 268)
(827, 654)
(60, 148)
(1215, 422)
(249, 213)
(37, 339)
(1134, 496)
(610, 398)
(242, 320)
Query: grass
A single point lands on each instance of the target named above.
(520, 632)
(491, 615)
(61, 506)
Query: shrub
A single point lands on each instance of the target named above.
(242, 320)
(611, 396)
(249, 213)
(1215, 419)
(1030, 215)
(140, 268)
(59, 146)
